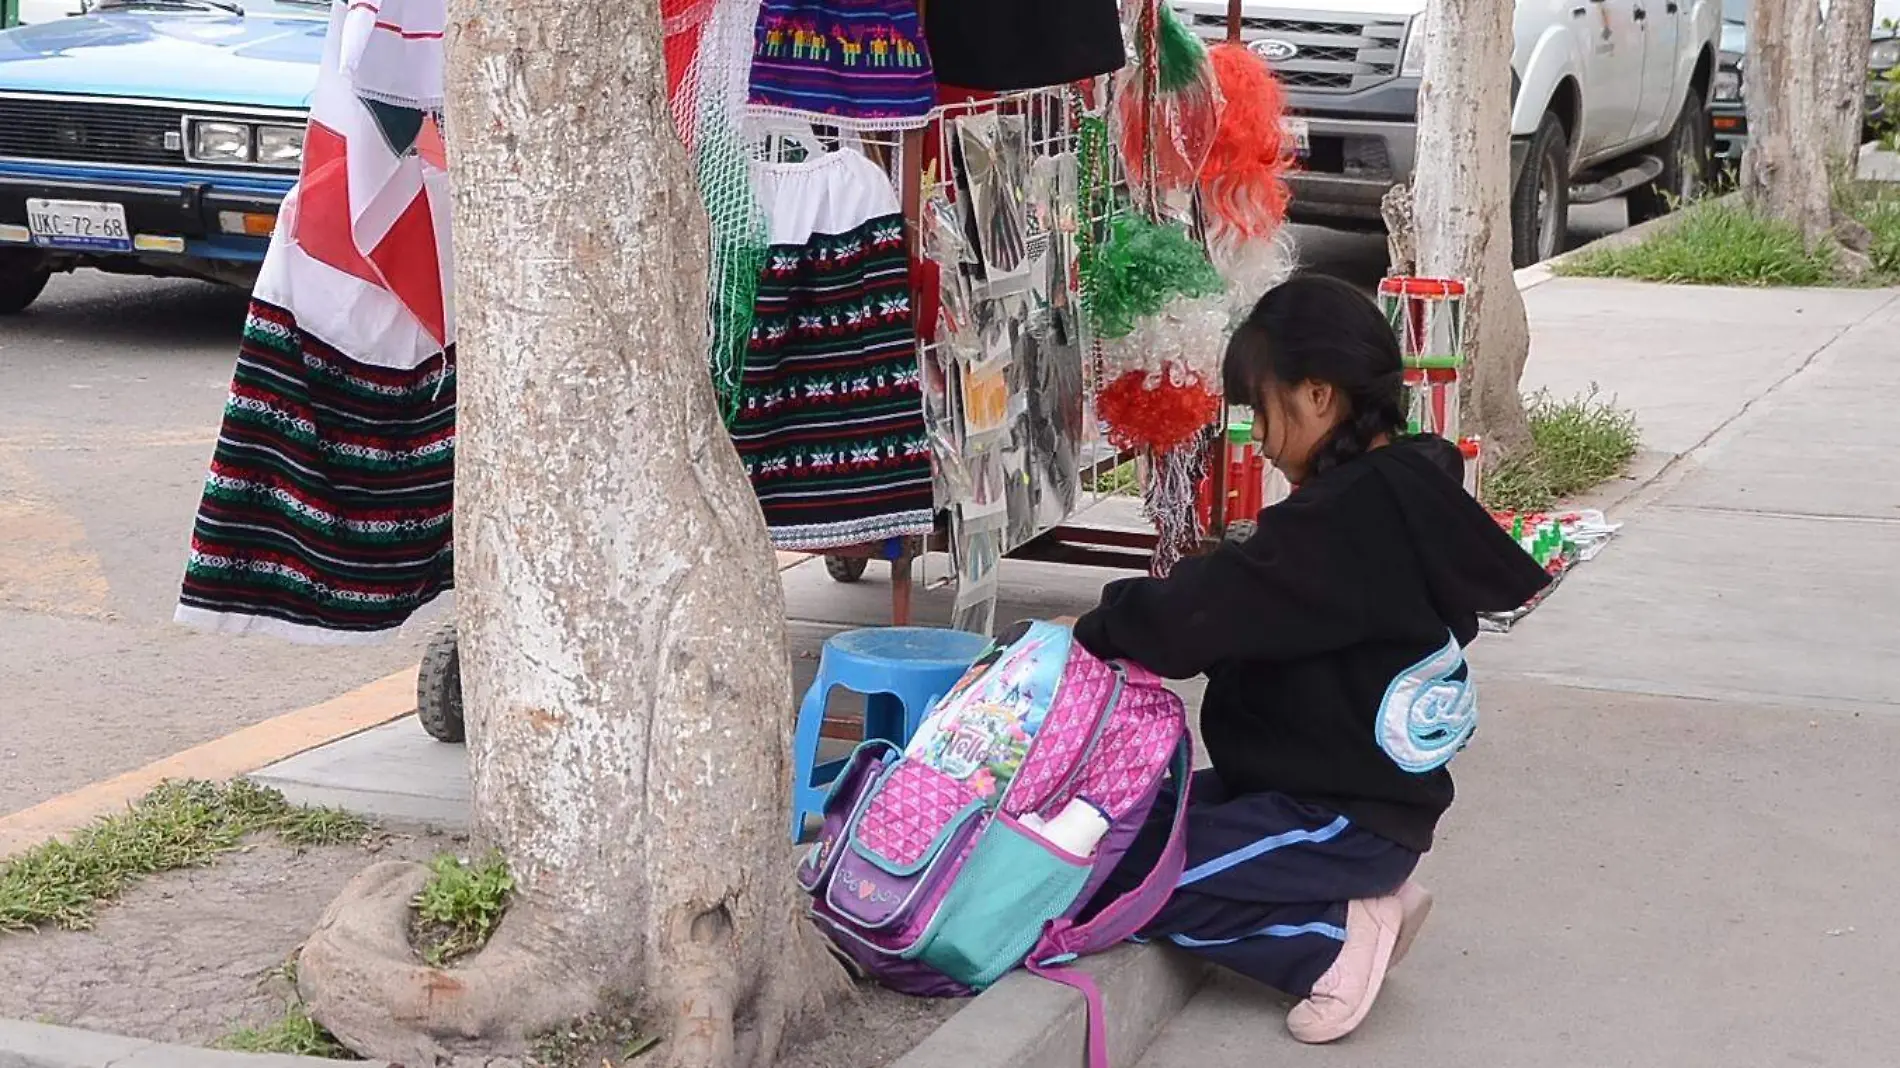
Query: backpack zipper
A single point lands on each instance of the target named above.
(1088, 748)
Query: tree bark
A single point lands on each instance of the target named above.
(1841, 69)
(1462, 207)
(1784, 172)
(621, 623)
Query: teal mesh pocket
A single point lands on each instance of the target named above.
(1011, 885)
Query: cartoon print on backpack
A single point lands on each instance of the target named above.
(980, 733)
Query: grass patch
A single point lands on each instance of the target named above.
(1880, 212)
(1576, 444)
(1724, 243)
(1714, 243)
(180, 824)
(1120, 480)
(459, 907)
(295, 1034)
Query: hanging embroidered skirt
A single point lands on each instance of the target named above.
(853, 63)
(830, 421)
(326, 512)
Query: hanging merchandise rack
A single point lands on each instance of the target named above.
(977, 429)
(1016, 303)
(1020, 478)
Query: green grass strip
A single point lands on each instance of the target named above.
(1714, 243)
(180, 824)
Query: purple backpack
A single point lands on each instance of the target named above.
(973, 851)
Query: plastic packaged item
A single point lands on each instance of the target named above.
(1246, 487)
(1472, 449)
(1076, 830)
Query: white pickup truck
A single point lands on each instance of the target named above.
(1610, 98)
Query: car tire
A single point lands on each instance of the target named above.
(23, 276)
(1540, 205)
(845, 569)
(1688, 157)
(439, 688)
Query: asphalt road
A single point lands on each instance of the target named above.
(110, 395)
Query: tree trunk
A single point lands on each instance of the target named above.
(1841, 68)
(1462, 206)
(621, 622)
(1784, 173)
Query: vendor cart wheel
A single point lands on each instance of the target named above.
(439, 688)
(845, 568)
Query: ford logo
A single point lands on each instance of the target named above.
(1274, 51)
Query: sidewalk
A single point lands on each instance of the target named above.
(1674, 842)
(396, 772)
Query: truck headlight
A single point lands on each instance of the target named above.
(1417, 48)
(281, 145)
(1728, 86)
(220, 142)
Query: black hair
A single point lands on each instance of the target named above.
(1317, 328)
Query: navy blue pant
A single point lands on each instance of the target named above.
(1267, 881)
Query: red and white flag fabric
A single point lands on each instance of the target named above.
(362, 253)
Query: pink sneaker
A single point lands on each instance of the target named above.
(1417, 903)
(1344, 995)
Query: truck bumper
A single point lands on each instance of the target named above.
(181, 222)
(1353, 163)
(1349, 166)
(1731, 132)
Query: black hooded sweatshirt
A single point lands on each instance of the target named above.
(1307, 631)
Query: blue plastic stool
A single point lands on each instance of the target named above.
(901, 671)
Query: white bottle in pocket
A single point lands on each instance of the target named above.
(1077, 829)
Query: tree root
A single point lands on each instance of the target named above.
(1401, 233)
(363, 982)
(1852, 241)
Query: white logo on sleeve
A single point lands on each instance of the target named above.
(1427, 715)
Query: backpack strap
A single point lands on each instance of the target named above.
(1063, 941)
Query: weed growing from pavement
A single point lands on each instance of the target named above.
(296, 1034)
(1880, 213)
(180, 824)
(460, 906)
(1575, 445)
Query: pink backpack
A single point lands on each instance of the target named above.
(942, 868)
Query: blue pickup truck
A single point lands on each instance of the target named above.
(151, 137)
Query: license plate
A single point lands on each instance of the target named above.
(1298, 133)
(78, 224)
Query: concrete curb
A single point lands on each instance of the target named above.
(1027, 1022)
(31, 1045)
(1021, 1022)
(237, 753)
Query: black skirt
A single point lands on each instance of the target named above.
(1000, 45)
